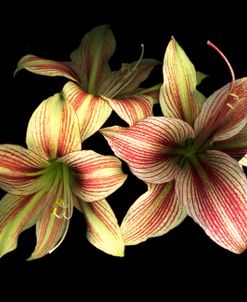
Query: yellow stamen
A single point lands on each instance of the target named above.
(235, 96)
(54, 212)
(65, 210)
(230, 106)
(59, 202)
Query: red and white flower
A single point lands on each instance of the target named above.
(45, 182)
(95, 89)
(189, 158)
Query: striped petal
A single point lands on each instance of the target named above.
(47, 67)
(224, 113)
(92, 111)
(142, 71)
(178, 95)
(96, 176)
(214, 193)
(148, 146)
(153, 214)
(53, 129)
(243, 161)
(19, 170)
(236, 146)
(49, 228)
(103, 230)
(17, 213)
(132, 109)
(124, 82)
(93, 54)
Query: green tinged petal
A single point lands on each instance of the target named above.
(103, 229)
(46, 67)
(17, 213)
(200, 77)
(178, 95)
(92, 56)
(125, 81)
(92, 111)
(53, 129)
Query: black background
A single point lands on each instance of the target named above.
(185, 262)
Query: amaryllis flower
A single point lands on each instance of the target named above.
(189, 158)
(45, 182)
(93, 87)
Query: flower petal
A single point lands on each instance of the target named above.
(148, 146)
(96, 176)
(103, 229)
(93, 54)
(153, 214)
(53, 129)
(236, 146)
(47, 67)
(243, 161)
(214, 192)
(200, 77)
(224, 113)
(132, 109)
(124, 82)
(92, 111)
(49, 228)
(19, 170)
(178, 95)
(153, 92)
(17, 213)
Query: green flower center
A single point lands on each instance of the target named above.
(188, 152)
(58, 179)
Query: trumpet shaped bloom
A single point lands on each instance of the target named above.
(95, 89)
(189, 158)
(45, 182)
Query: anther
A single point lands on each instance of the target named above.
(59, 204)
(235, 96)
(230, 106)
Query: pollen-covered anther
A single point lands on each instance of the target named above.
(235, 96)
(230, 106)
(59, 209)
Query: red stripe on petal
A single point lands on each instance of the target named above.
(53, 129)
(215, 196)
(17, 213)
(133, 109)
(148, 145)
(93, 54)
(153, 214)
(96, 176)
(178, 95)
(47, 67)
(92, 111)
(236, 146)
(103, 230)
(20, 169)
(125, 81)
(224, 113)
(50, 228)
